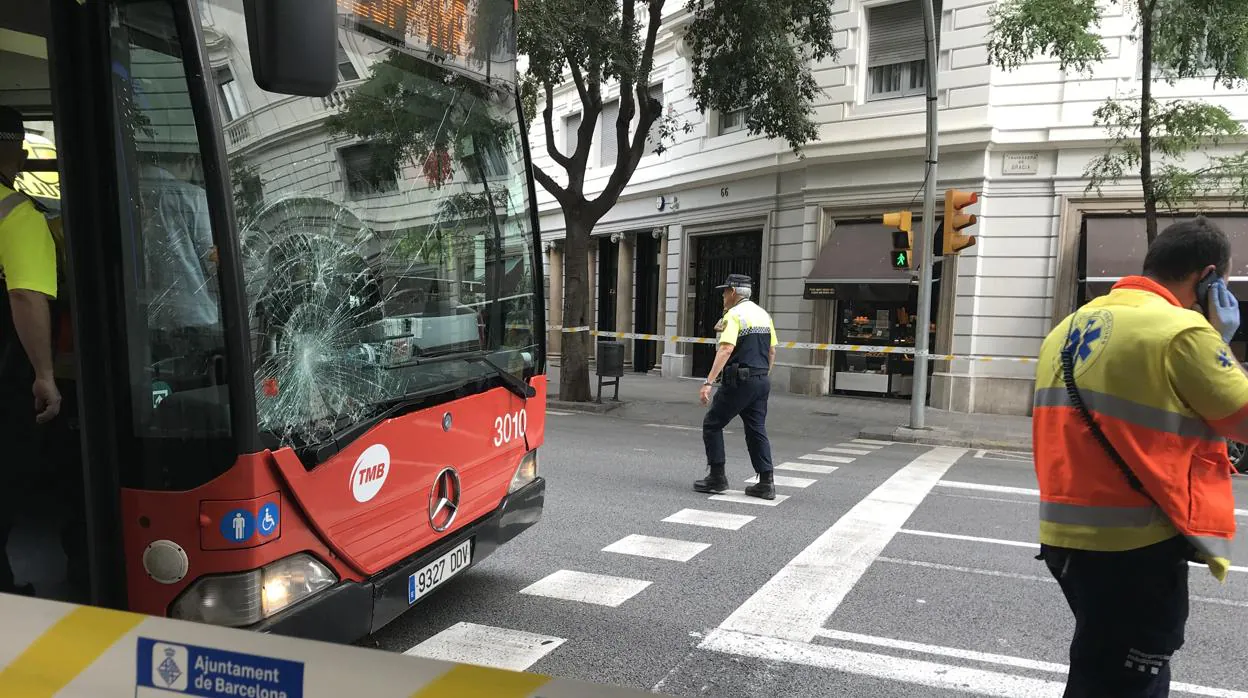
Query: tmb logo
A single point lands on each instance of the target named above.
(370, 472)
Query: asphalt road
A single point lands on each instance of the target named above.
(889, 570)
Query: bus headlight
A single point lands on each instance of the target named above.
(245, 598)
(525, 473)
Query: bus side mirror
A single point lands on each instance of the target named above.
(293, 45)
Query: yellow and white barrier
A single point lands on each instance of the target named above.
(54, 650)
(864, 348)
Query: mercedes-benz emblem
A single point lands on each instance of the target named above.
(444, 500)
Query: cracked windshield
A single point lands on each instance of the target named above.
(402, 237)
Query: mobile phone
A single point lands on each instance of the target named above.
(1202, 288)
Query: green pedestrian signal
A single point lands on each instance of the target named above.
(901, 259)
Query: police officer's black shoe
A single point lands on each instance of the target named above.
(714, 483)
(764, 488)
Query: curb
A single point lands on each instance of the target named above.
(587, 407)
(940, 436)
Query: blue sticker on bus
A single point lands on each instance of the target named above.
(238, 525)
(166, 668)
(268, 518)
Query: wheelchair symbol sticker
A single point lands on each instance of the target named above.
(268, 519)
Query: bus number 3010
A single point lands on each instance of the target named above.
(510, 427)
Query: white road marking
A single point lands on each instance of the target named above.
(827, 459)
(982, 499)
(557, 413)
(807, 468)
(1019, 544)
(973, 539)
(966, 570)
(1002, 660)
(599, 589)
(1001, 489)
(919, 672)
(1027, 577)
(882, 666)
(1018, 456)
(658, 548)
(1242, 513)
(795, 602)
(786, 481)
(846, 451)
(710, 519)
(742, 498)
(681, 427)
(855, 444)
(501, 648)
(874, 442)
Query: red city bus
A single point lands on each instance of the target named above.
(301, 277)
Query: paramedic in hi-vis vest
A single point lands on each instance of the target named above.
(1135, 394)
(28, 392)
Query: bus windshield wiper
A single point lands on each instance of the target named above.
(523, 390)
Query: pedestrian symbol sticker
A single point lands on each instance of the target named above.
(267, 520)
(167, 669)
(238, 526)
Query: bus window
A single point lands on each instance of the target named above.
(385, 229)
(177, 372)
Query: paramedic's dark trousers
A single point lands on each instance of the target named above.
(747, 398)
(1130, 611)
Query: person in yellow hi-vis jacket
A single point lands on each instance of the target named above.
(1135, 393)
(747, 353)
(28, 390)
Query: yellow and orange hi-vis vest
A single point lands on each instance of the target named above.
(1162, 385)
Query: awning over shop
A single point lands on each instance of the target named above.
(1115, 245)
(854, 263)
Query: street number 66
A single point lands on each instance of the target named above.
(510, 426)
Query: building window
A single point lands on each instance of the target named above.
(346, 69)
(731, 122)
(229, 95)
(571, 126)
(365, 177)
(652, 139)
(610, 149)
(896, 64)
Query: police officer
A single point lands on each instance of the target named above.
(1133, 393)
(28, 390)
(747, 352)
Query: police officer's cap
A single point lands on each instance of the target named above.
(11, 127)
(736, 281)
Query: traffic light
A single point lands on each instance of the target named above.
(955, 201)
(903, 238)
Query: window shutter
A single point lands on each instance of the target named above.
(570, 126)
(606, 123)
(652, 139)
(895, 33)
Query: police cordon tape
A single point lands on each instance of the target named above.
(865, 348)
(57, 650)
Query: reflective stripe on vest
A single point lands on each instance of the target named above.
(1120, 342)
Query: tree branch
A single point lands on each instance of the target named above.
(550, 185)
(629, 154)
(577, 78)
(548, 116)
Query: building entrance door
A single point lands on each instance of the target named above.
(646, 303)
(718, 256)
(608, 270)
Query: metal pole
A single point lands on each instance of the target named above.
(927, 255)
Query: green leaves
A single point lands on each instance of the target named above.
(1202, 39)
(1180, 128)
(757, 55)
(1061, 29)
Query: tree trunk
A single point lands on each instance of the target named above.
(574, 360)
(1146, 120)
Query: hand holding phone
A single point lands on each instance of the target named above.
(1222, 309)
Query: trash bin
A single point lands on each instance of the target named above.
(610, 366)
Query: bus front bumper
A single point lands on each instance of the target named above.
(352, 610)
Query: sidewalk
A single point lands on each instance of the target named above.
(654, 399)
